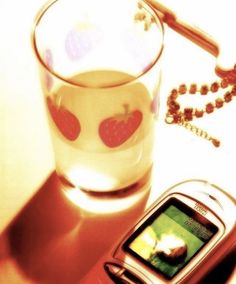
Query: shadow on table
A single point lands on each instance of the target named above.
(54, 241)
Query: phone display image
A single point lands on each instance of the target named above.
(168, 240)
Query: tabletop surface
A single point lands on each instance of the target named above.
(26, 159)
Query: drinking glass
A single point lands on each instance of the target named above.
(100, 71)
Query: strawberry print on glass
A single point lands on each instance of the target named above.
(117, 129)
(80, 41)
(66, 122)
(154, 107)
(49, 63)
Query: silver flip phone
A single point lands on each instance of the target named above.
(187, 231)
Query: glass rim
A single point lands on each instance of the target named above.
(57, 75)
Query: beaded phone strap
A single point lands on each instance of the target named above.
(182, 116)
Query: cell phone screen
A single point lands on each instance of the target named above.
(170, 238)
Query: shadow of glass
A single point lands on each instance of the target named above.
(54, 241)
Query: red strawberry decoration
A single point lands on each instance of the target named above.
(116, 130)
(66, 122)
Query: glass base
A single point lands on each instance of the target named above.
(120, 191)
(108, 201)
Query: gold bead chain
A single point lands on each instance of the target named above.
(182, 116)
